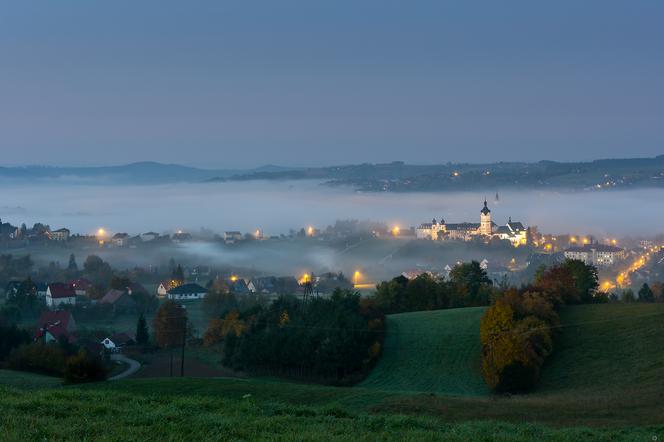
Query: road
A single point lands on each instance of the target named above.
(133, 366)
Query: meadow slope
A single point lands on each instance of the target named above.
(433, 351)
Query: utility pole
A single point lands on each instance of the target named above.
(184, 341)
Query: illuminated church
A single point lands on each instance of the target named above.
(514, 232)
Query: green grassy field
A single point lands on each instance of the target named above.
(603, 383)
(435, 351)
(224, 409)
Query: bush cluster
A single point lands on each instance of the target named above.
(468, 286)
(517, 330)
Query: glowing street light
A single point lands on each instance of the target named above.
(356, 277)
(310, 231)
(395, 231)
(101, 232)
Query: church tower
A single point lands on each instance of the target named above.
(485, 221)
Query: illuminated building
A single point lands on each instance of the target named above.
(596, 254)
(514, 232)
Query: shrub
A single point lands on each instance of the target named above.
(83, 367)
(46, 359)
(516, 339)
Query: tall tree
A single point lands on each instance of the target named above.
(169, 324)
(178, 274)
(646, 294)
(73, 267)
(142, 333)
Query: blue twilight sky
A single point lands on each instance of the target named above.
(243, 83)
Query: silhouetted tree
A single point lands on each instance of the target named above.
(646, 294)
(142, 333)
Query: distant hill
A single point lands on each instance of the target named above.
(402, 177)
(135, 173)
(389, 177)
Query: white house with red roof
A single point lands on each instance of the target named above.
(58, 294)
(53, 325)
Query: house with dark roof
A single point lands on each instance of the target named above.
(187, 292)
(119, 300)
(81, 286)
(238, 286)
(58, 294)
(51, 326)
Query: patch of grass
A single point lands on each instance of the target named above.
(24, 380)
(611, 349)
(433, 351)
(198, 409)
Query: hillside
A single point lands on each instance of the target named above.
(434, 352)
(613, 349)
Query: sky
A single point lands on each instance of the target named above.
(228, 84)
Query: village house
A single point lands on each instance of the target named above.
(51, 326)
(117, 341)
(187, 292)
(231, 237)
(120, 239)
(81, 286)
(58, 294)
(165, 286)
(119, 300)
(149, 236)
(59, 235)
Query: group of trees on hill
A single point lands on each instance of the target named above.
(334, 340)
(468, 286)
(517, 330)
(646, 293)
(64, 359)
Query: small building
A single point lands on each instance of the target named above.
(81, 286)
(149, 236)
(58, 294)
(238, 286)
(187, 292)
(119, 300)
(117, 341)
(51, 326)
(41, 288)
(232, 236)
(165, 286)
(59, 235)
(120, 239)
(180, 237)
(12, 288)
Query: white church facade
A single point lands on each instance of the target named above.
(514, 232)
